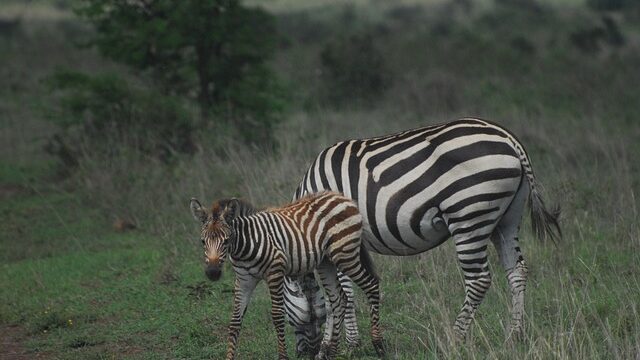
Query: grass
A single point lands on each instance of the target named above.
(79, 289)
(139, 298)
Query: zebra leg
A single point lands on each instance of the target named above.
(305, 309)
(336, 298)
(350, 321)
(513, 262)
(275, 282)
(243, 289)
(517, 277)
(505, 239)
(369, 283)
(472, 255)
(298, 313)
(303, 333)
(318, 309)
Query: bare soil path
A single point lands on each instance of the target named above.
(12, 347)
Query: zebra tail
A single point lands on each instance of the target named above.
(367, 262)
(544, 222)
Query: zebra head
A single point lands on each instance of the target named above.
(215, 234)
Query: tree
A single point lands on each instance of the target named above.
(210, 48)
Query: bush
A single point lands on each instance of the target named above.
(259, 102)
(353, 68)
(93, 112)
(591, 40)
(215, 49)
(609, 5)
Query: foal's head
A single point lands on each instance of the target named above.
(216, 232)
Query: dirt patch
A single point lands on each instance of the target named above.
(12, 347)
(10, 190)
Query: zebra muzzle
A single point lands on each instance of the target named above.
(213, 272)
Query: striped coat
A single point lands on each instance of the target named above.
(467, 180)
(320, 232)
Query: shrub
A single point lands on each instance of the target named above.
(592, 39)
(260, 101)
(93, 112)
(353, 68)
(609, 5)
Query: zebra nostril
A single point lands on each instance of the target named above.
(213, 272)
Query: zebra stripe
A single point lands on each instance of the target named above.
(463, 180)
(321, 232)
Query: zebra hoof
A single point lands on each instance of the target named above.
(306, 351)
(324, 353)
(303, 353)
(380, 348)
(459, 336)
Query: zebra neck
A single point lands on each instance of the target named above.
(250, 234)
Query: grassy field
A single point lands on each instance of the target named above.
(72, 286)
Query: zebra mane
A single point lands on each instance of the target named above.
(240, 208)
(306, 198)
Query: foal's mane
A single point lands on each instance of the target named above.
(245, 208)
(301, 201)
(242, 207)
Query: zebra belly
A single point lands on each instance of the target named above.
(300, 269)
(433, 232)
(304, 265)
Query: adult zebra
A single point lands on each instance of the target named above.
(468, 179)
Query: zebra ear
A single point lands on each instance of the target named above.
(231, 211)
(199, 213)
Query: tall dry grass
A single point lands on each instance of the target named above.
(582, 293)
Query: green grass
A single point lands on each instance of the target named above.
(79, 289)
(129, 296)
(139, 298)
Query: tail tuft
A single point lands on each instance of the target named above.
(544, 222)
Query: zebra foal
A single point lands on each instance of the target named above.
(320, 232)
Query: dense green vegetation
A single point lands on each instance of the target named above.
(74, 283)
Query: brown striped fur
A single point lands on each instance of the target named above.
(324, 229)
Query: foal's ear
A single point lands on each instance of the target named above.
(231, 211)
(199, 213)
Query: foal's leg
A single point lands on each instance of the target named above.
(275, 282)
(244, 286)
(336, 298)
(350, 321)
(349, 263)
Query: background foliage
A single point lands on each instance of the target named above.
(104, 112)
(127, 126)
(215, 49)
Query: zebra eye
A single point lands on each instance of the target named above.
(202, 240)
